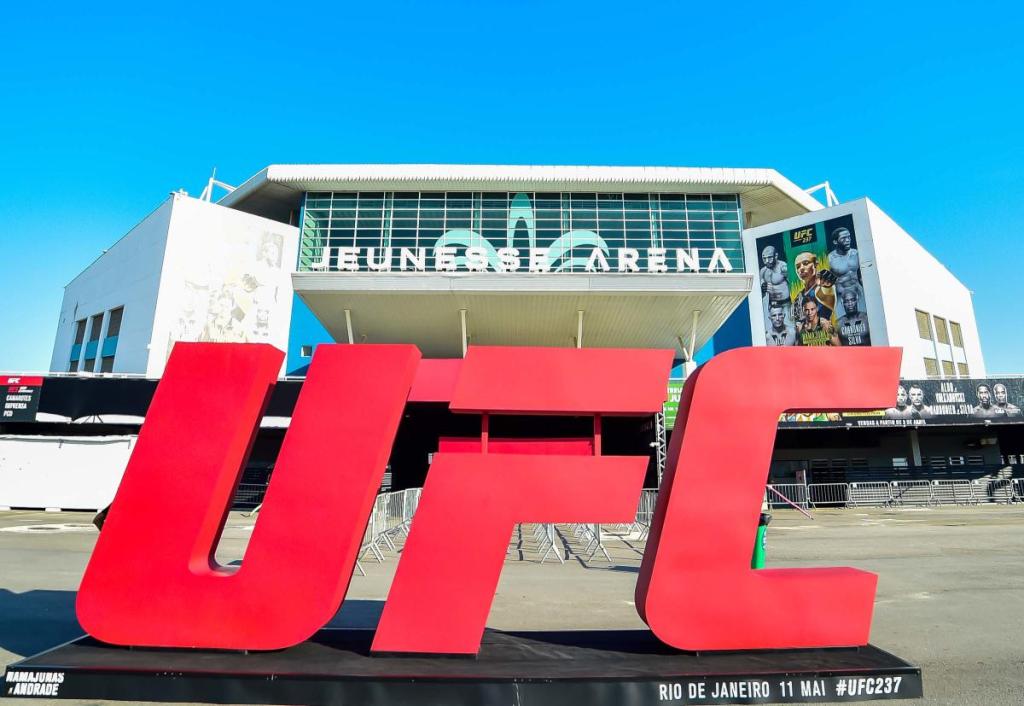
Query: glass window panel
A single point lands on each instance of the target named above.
(428, 237)
(343, 237)
(947, 369)
(114, 323)
(963, 370)
(462, 200)
(931, 367)
(924, 325)
(941, 332)
(958, 337)
(403, 237)
(458, 218)
(368, 238)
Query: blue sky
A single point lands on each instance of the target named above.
(104, 110)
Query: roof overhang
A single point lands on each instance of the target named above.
(633, 310)
(276, 191)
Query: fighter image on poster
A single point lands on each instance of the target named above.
(811, 288)
(780, 332)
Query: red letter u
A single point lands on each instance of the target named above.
(153, 581)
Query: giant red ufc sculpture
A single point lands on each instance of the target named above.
(154, 582)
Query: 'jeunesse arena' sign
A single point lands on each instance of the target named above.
(487, 258)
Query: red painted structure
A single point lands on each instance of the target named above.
(152, 579)
(696, 589)
(151, 583)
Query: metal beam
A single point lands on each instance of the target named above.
(348, 325)
(465, 333)
(579, 328)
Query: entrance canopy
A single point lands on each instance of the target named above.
(441, 313)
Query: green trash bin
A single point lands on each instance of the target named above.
(761, 542)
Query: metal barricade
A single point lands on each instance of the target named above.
(389, 522)
(828, 494)
(1018, 490)
(953, 492)
(912, 492)
(871, 494)
(645, 512)
(796, 493)
(994, 490)
(248, 496)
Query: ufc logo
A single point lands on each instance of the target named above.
(153, 581)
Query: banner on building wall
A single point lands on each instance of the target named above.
(20, 397)
(811, 288)
(932, 402)
(671, 406)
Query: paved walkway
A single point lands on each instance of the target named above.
(951, 589)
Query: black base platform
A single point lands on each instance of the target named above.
(613, 668)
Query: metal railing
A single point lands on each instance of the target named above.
(393, 512)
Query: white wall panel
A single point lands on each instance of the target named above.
(70, 473)
(127, 274)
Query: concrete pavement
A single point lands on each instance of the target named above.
(950, 599)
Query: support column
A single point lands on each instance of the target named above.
(465, 333)
(348, 326)
(688, 350)
(915, 447)
(579, 329)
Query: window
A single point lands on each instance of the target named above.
(947, 369)
(79, 332)
(963, 370)
(114, 323)
(107, 364)
(931, 367)
(90, 365)
(95, 324)
(73, 367)
(941, 332)
(958, 338)
(417, 220)
(924, 325)
(306, 351)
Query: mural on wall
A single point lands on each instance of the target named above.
(239, 293)
(811, 288)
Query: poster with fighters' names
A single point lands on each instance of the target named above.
(812, 293)
(20, 397)
(932, 402)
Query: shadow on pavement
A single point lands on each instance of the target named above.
(358, 613)
(37, 620)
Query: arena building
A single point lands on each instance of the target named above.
(447, 256)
